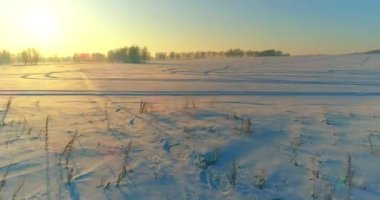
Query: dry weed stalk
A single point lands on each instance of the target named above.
(370, 142)
(47, 134)
(4, 178)
(106, 115)
(260, 178)
(14, 196)
(247, 125)
(233, 174)
(295, 143)
(314, 176)
(329, 195)
(123, 171)
(68, 149)
(314, 172)
(6, 110)
(70, 175)
(67, 152)
(37, 104)
(374, 148)
(143, 106)
(24, 126)
(106, 109)
(348, 175)
(29, 131)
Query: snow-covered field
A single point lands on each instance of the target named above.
(303, 127)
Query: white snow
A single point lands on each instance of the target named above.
(202, 115)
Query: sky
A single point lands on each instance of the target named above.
(294, 26)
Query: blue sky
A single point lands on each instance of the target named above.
(295, 26)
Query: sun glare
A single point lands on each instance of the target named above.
(41, 25)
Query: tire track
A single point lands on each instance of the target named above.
(177, 93)
(251, 79)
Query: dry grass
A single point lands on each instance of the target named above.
(190, 103)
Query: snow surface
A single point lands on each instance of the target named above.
(263, 114)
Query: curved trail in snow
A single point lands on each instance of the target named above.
(217, 69)
(247, 78)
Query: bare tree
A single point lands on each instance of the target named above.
(30, 56)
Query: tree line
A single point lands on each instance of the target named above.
(28, 56)
(217, 54)
(132, 54)
(5, 57)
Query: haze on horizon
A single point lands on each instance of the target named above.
(295, 26)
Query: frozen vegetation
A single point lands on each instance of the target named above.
(302, 127)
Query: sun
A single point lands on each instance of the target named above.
(41, 25)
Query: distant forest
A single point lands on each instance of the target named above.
(133, 54)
